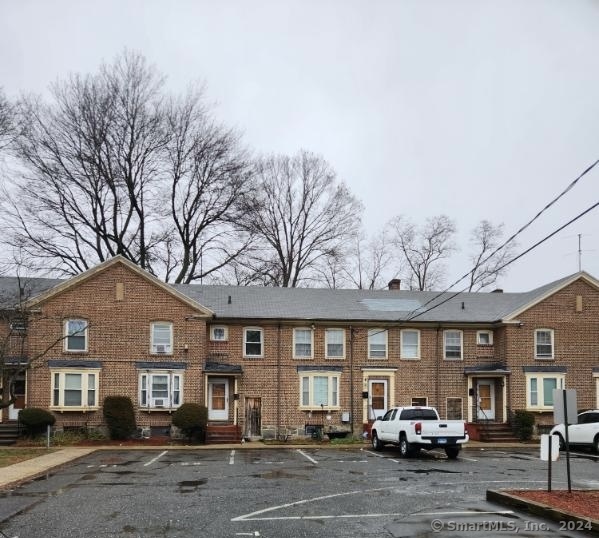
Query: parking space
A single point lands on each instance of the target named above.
(282, 492)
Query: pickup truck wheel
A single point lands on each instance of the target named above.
(452, 452)
(562, 443)
(405, 448)
(376, 442)
(596, 444)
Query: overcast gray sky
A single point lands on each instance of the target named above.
(476, 109)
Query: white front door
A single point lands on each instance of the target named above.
(218, 399)
(486, 399)
(377, 398)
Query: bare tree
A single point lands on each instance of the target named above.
(372, 263)
(423, 249)
(114, 166)
(300, 216)
(8, 122)
(487, 264)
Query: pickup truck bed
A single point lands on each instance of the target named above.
(415, 428)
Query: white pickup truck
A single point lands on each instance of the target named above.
(585, 433)
(413, 428)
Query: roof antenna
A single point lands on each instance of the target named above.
(463, 306)
(579, 253)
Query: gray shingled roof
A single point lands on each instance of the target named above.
(254, 302)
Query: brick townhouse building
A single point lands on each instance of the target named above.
(275, 361)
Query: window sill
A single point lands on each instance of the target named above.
(320, 409)
(335, 358)
(410, 359)
(73, 409)
(544, 358)
(303, 358)
(253, 356)
(159, 409)
(76, 351)
(484, 345)
(378, 358)
(450, 359)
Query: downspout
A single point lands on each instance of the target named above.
(278, 379)
(437, 384)
(351, 379)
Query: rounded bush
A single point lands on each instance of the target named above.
(524, 422)
(36, 420)
(191, 419)
(119, 416)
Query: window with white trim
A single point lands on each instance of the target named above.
(160, 389)
(335, 343)
(377, 344)
(484, 338)
(162, 337)
(452, 344)
(539, 390)
(74, 390)
(319, 390)
(302, 343)
(75, 335)
(410, 344)
(253, 344)
(219, 333)
(544, 343)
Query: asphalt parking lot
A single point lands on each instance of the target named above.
(285, 493)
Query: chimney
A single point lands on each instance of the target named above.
(498, 290)
(394, 284)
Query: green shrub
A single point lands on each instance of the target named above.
(191, 419)
(36, 420)
(523, 422)
(119, 416)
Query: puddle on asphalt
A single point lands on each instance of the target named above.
(271, 475)
(429, 471)
(189, 486)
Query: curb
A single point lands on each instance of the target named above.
(539, 509)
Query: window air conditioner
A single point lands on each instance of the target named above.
(158, 402)
(161, 348)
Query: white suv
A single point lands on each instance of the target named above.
(585, 433)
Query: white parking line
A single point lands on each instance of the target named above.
(232, 457)
(373, 453)
(307, 457)
(153, 460)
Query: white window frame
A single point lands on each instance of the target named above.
(378, 332)
(245, 342)
(540, 394)
(401, 353)
(225, 330)
(487, 332)
(552, 334)
(295, 343)
(156, 347)
(174, 396)
(68, 334)
(58, 388)
(461, 333)
(333, 396)
(326, 343)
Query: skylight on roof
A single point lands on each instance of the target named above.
(391, 305)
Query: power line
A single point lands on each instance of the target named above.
(510, 239)
(540, 242)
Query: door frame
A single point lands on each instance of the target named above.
(217, 415)
(13, 409)
(386, 396)
(480, 413)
